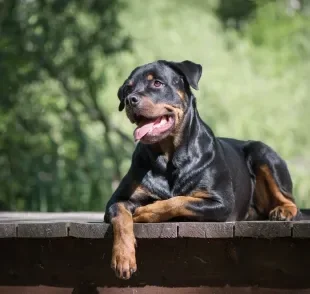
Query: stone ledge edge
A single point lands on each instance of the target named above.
(96, 230)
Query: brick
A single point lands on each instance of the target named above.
(301, 229)
(7, 230)
(266, 229)
(156, 230)
(42, 230)
(90, 230)
(206, 230)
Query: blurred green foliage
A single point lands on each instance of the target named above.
(64, 145)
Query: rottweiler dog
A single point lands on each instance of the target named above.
(181, 171)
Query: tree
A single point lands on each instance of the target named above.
(52, 57)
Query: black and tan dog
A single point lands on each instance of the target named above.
(180, 170)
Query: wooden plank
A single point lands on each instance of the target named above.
(301, 229)
(157, 230)
(50, 216)
(67, 262)
(263, 229)
(90, 230)
(7, 230)
(206, 230)
(42, 230)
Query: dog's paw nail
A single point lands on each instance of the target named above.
(125, 275)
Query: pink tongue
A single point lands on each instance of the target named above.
(142, 131)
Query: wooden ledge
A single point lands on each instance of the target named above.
(91, 226)
(65, 250)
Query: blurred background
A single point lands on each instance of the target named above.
(64, 145)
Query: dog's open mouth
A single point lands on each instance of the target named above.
(154, 127)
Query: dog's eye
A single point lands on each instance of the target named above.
(157, 84)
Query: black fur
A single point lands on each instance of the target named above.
(226, 168)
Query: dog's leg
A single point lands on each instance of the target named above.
(123, 253)
(198, 207)
(273, 189)
(119, 214)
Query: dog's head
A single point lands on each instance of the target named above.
(156, 95)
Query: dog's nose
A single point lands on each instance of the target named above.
(133, 100)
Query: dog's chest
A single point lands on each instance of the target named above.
(169, 182)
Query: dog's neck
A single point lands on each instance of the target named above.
(168, 146)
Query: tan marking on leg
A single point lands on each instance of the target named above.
(262, 198)
(137, 188)
(164, 210)
(200, 194)
(123, 253)
(283, 205)
(269, 200)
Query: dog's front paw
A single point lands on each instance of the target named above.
(146, 218)
(145, 215)
(124, 261)
(283, 213)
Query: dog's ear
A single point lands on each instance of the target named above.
(192, 71)
(120, 95)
